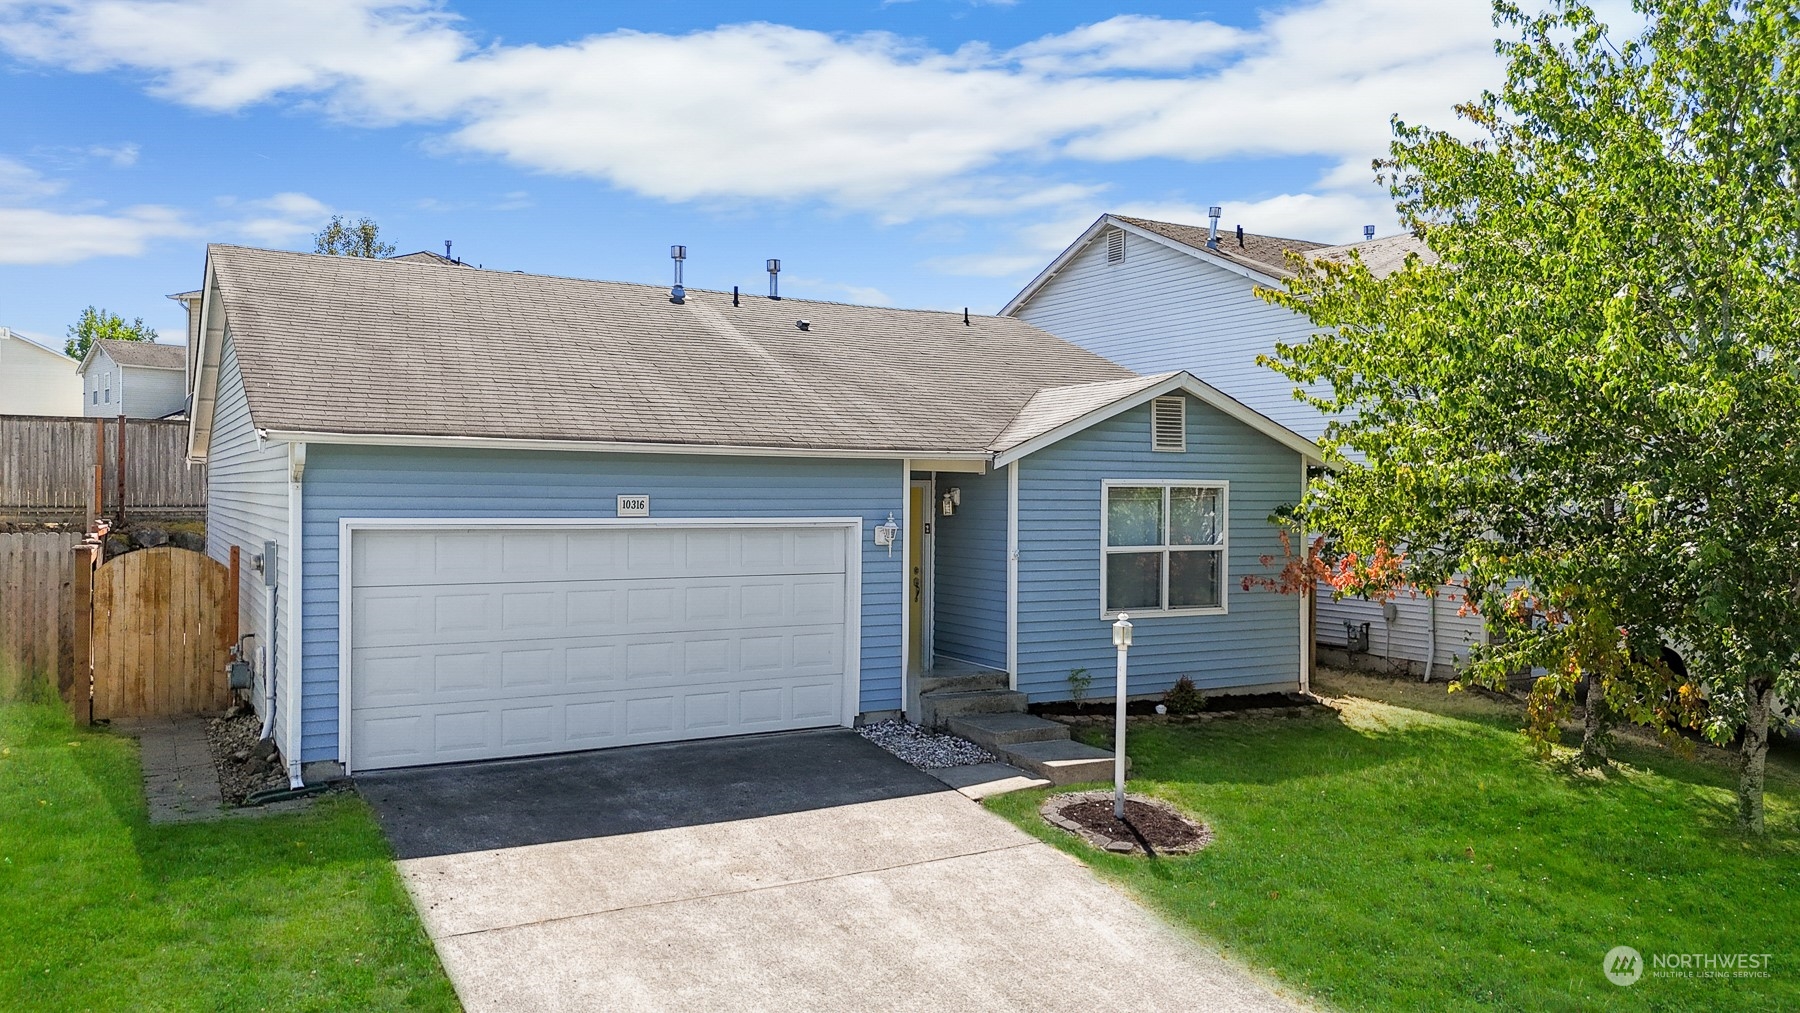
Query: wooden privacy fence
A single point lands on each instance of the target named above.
(54, 468)
(38, 614)
(163, 623)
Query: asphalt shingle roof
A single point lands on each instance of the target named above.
(1267, 254)
(352, 345)
(1381, 256)
(145, 353)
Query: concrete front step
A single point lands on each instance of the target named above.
(997, 731)
(1061, 761)
(937, 708)
(962, 682)
(985, 780)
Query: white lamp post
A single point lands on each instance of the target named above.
(1122, 642)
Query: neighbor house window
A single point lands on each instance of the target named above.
(1163, 547)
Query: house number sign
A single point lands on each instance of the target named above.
(634, 506)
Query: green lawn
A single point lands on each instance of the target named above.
(101, 911)
(1410, 854)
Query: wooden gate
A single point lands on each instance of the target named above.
(163, 624)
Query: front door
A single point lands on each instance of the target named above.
(918, 575)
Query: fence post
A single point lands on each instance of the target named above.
(121, 517)
(99, 472)
(79, 683)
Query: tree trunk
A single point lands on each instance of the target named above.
(1759, 698)
(1594, 730)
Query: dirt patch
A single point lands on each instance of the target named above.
(1150, 827)
(245, 764)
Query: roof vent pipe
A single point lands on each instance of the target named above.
(446, 249)
(966, 317)
(774, 268)
(734, 295)
(1368, 232)
(1240, 230)
(1212, 234)
(677, 294)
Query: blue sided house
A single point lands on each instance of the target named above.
(497, 514)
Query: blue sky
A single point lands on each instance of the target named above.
(929, 153)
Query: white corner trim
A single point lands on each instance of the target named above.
(1306, 608)
(854, 533)
(1183, 382)
(294, 594)
(1012, 575)
(905, 576)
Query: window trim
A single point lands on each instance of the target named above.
(1223, 548)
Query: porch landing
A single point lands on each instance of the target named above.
(978, 705)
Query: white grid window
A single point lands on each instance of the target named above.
(1163, 548)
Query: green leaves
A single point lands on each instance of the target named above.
(361, 238)
(98, 323)
(1592, 392)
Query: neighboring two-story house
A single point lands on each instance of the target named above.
(1157, 296)
(35, 380)
(136, 379)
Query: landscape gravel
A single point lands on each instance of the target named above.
(922, 748)
(245, 764)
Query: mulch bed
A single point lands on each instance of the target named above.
(1218, 708)
(1150, 827)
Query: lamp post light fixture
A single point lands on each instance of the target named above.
(1122, 642)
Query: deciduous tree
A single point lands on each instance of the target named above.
(97, 323)
(1588, 404)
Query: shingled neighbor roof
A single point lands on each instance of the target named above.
(428, 257)
(145, 353)
(1266, 254)
(1381, 256)
(356, 346)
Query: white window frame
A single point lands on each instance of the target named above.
(1223, 548)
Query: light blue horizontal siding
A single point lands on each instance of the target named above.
(1257, 643)
(246, 506)
(969, 568)
(388, 482)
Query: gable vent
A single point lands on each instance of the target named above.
(1168, 424)
(1115, 246)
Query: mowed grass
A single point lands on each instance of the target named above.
(1411, 854)
(101, 911)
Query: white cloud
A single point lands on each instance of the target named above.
(122, 156)
(36, 236)
(21, 182)
(1131, 42)
(275, 221)
(867, 122)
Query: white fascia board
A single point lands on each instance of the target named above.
(1187, 383)
(1017, 302)
(203, 400)
(592, 446)
(1202, 254)
(1108, 221)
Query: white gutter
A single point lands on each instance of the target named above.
(600, 447)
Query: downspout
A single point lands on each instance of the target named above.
(296, 572)
(267, 656)
(1012, 575)
(1430, 635)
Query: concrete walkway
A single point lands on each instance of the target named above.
(181, 785)
(802, 871)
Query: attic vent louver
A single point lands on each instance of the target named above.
(1115, 246)
(1168, 424)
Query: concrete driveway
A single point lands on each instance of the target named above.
(802, 871)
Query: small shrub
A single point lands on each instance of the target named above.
(1079, 681)
(1183, 698)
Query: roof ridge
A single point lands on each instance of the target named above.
(397, 262)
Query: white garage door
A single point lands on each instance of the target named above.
(469, 644)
